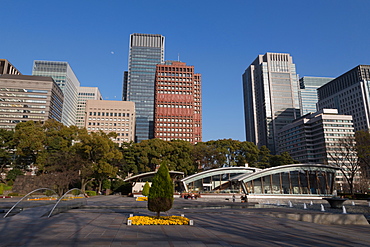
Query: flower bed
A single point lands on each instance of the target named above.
(142, 199)
(42, 199)
(163, 220)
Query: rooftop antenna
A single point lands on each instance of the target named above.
(178, 57)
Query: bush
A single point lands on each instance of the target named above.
(76, 192)
(13, 194)
(146, 188)
(1, 189)
(90, 192)
(160, 197)
(122, 187)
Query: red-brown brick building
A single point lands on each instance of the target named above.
(178, 103)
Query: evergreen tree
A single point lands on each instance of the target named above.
(160, 197)
(146, 188)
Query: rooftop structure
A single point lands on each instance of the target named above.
(6, 68)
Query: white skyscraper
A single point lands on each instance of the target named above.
(64, 76)
(270, 86)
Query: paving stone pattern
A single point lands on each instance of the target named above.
(102, 222)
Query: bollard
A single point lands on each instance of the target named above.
(191, 222)
(129, 222)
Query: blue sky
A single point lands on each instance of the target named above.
(220, 38)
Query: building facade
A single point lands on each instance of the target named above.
(178, 103)
(24, 98)
(320, 138)
(270, 87)
(6, 68)
(84, 94)
(308, 92)
(111, 116)
(349, 93)
(146, 51)
(64, 76)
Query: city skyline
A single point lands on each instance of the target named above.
(221, 39)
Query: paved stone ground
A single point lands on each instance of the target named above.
(216, 223)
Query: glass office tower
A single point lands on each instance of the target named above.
(270, 86)
(66, 79)
(308, 92)
(146, 51)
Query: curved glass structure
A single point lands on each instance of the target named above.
(219, 180)
(296, 179)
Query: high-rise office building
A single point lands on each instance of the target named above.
(308, 92)
(318, 138)
(84, 94)
(146, 51)
(28, 98)
(178, 103)
(6, 68)
(270, 87)
(349, 93)
(111, 116)
(64, 76)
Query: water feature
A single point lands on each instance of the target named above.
(73, 198)
(290, 204)
(344, 210)
(304, 206)
(311, 203)
(322, 208)
(34, 199)
(353, 203)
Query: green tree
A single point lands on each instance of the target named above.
(160, 197)
(12, 175)
(363, 151)
(263, 158)
(127, 166)
(248, 153)
(6, 150)
(146, 189)
(150, 153)
(29, 140)
(206, 156)
(180, 157)
(283, 159)
(99, 155)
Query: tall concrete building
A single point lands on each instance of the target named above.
(146, 51)
(178, 103)
(308, 92)
(270, 87)
(319, 138)
(111, 116)
(64, 76)
(84, 94)
(24, 98)
(349, 93)
(6, 68)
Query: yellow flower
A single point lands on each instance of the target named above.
(163, 220)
